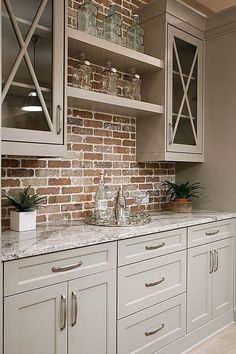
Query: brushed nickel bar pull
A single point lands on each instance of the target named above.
(211, 263)
(59, 129)
(63, 314)
(151, 248)
(150, 333)
(66, 268)
(74, 309)
(216, 263)
(170, 134)
(148, 285)
(212, 233)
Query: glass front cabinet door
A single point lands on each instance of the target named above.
(185, 92)
(33, 77)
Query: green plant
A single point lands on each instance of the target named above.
(185, 190)
(23, 201)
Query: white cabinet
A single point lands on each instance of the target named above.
(210, 282)
(33, 74)
(35, 321)
(92, 327)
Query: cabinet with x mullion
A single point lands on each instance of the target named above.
(33, 76)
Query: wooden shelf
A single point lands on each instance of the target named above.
(182, 116)
(99, 51)
(27, 86)
(100, 102)
(184, 75)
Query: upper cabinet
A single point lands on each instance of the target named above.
(176, 33)
(33, 77)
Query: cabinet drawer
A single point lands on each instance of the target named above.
(148, 331)
(34, 272)
(214, 231)
(146, 283)
(145, 247)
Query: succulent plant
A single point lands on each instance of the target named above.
(24, 202)
(185, 190)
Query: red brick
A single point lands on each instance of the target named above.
(93, 156)
(59, 164)
(105, 117)
(59, 181)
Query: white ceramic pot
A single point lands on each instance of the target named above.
(23, 221)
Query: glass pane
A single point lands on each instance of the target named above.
(184, 132)
(41, 57)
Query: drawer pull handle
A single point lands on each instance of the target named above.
(63, 313)
(211, 263)
(150, 333)
(151, 248)
(216, 262)
(212, 233)
(59, 129)
(148, 285)
(74, 309)
(66, 268)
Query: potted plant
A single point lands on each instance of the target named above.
(181, 195)
(24, 218)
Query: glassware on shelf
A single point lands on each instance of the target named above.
(81, 75)
(112, 26)
(132, 86)
(135, 35)
(101, 201)
(87, 17)
(109, 80)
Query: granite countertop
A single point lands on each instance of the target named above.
(74, 234)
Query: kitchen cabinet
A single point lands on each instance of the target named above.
(35, 321)
(210, 282)
(176, 35)
(33, 74)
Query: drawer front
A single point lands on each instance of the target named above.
(148, 331)
(34, 272)
(149, 246)
(146, 283)
(211, 232)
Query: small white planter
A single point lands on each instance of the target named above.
(23, 221)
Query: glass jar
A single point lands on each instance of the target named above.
(135, 35)
(109, 80)
(81, 75)
(87, 17)
(112, 26)
(132, 86)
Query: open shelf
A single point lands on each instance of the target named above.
(100, 102)
(102, 50)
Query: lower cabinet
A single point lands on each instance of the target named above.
(74, 317)
(210, 282)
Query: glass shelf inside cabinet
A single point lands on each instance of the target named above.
(27, 72)
(185, 92)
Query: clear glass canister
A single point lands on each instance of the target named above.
(81, 75)
(132, 86)
(135, 35)
(87, 17)
(109, 80)
(112, 26)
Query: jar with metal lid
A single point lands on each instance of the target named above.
(135, 35)
(87, 17)
(132, 86)
(81, 75)
(109, 80)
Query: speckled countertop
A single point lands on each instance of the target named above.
(68, 235)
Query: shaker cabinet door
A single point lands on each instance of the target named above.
(35, 321)
(223, 277)
(92, 319)
(185, 92)
(33, 76)
(199, 289)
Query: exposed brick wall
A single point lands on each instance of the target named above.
(96, 142)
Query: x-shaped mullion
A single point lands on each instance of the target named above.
(23, 53)
(185, 95)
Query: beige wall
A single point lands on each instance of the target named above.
(218, 173)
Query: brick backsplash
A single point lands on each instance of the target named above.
(96, 142)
